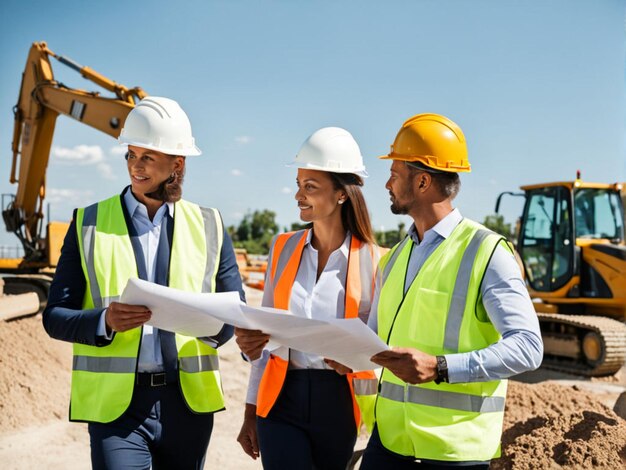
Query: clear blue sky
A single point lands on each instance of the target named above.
(537, 87)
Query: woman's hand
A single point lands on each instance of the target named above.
(251, 342)
(247, 436)
(339, 368)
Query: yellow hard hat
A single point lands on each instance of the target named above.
(432, 140)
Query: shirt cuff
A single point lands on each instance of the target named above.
(209, 341)
(458, 368)
(102, 327)
(256, 373)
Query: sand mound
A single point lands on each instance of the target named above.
(550, 426)
(35, 375)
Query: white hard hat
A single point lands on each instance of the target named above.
(159, 124)
(331, 149)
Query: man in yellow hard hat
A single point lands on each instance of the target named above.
(451, 303)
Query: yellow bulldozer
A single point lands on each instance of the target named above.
(571, 243)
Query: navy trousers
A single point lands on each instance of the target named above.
(377, 457)
(157, 430)
(311, 425)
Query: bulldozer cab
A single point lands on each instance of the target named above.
(558, 220)
(571, 243)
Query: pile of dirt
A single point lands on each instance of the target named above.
(35, 375)
(546, 425)
(549, 426)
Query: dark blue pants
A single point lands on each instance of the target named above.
(311, 425)
(157, 430)
(377, 457)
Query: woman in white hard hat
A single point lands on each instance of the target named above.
(147, 394)
(304, 413)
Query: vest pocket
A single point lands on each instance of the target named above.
(424, 320)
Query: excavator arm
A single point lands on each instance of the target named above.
(40, 102)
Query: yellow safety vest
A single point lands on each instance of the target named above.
(441, 313)
(285, 260)
(103, 378)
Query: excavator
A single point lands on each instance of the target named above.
(41, 100)
(571, 243)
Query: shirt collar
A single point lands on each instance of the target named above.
(344, 248)
(132, 204)
(442, 228)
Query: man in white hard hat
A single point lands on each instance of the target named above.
(147, 394)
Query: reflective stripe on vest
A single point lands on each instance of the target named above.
(194, 364)
(440, 399)
(450, 422)
(104, 364)
(103, 377)
(285, 260)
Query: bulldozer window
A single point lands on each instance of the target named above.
(598, 214)
(547, 247)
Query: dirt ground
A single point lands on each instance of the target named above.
(552, 420)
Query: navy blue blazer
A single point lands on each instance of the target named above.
(65, 319)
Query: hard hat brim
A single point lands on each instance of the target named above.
(194, 152)
(309, 166)
(408, 158)
(393, 157)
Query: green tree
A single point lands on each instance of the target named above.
(389, 238)
(255, 231)
(496, 223)
(298, 226)
(263, 224)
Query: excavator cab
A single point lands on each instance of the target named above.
(572, 247)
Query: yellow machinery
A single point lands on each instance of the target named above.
(252, 271)
(40, 101)
(571, 242)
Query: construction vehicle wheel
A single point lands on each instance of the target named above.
(592, 347)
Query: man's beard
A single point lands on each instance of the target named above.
(397, 208)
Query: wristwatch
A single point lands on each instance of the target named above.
(442, 370)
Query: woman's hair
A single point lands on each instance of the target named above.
(354, 215)
(170, 190)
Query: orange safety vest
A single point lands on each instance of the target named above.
(286, 254)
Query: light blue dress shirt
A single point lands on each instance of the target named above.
(148, 233)
(506, 300)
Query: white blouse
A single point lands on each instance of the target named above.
(321, 299)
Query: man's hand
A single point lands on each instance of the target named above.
(251, 342)
(248, 436)
(408, 364)
(124, 317)
(339, 368)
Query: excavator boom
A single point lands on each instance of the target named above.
(41, 100)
